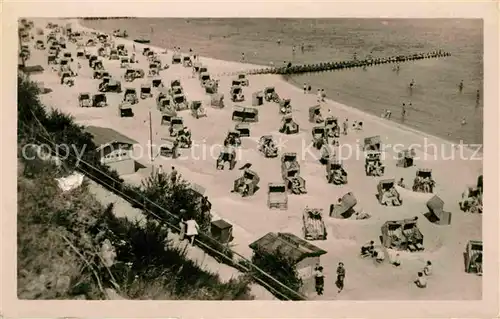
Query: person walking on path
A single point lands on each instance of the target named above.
(319, 280)
(192, 230)
(173, 175)
(340, 276)
(182, 227)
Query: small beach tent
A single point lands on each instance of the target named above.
(222, 231)
(168, 147)
(345, 208)
(436, 214)
(167, 115)
(217, 100)
(474, 256)
(243, 128)
(303, 255)
(257, 98)
(251, 179)
(245, 114)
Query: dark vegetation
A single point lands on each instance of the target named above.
(60, 235)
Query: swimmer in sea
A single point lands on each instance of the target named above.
(412, 83)
(388, 114)
(463, 121)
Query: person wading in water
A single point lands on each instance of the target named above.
(461, 86)
(411, 86)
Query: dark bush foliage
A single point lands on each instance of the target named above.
(60, 234)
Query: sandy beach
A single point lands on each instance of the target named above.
(452, 168)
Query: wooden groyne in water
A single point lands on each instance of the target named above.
(340, 65)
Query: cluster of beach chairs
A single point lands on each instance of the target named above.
(325, 131)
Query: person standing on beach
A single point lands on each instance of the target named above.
(319, 279)
(319, 95)
(340, 276)
(345, 126)
(173, 175)
(305, 88)
(309, 88)
(323, 95)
